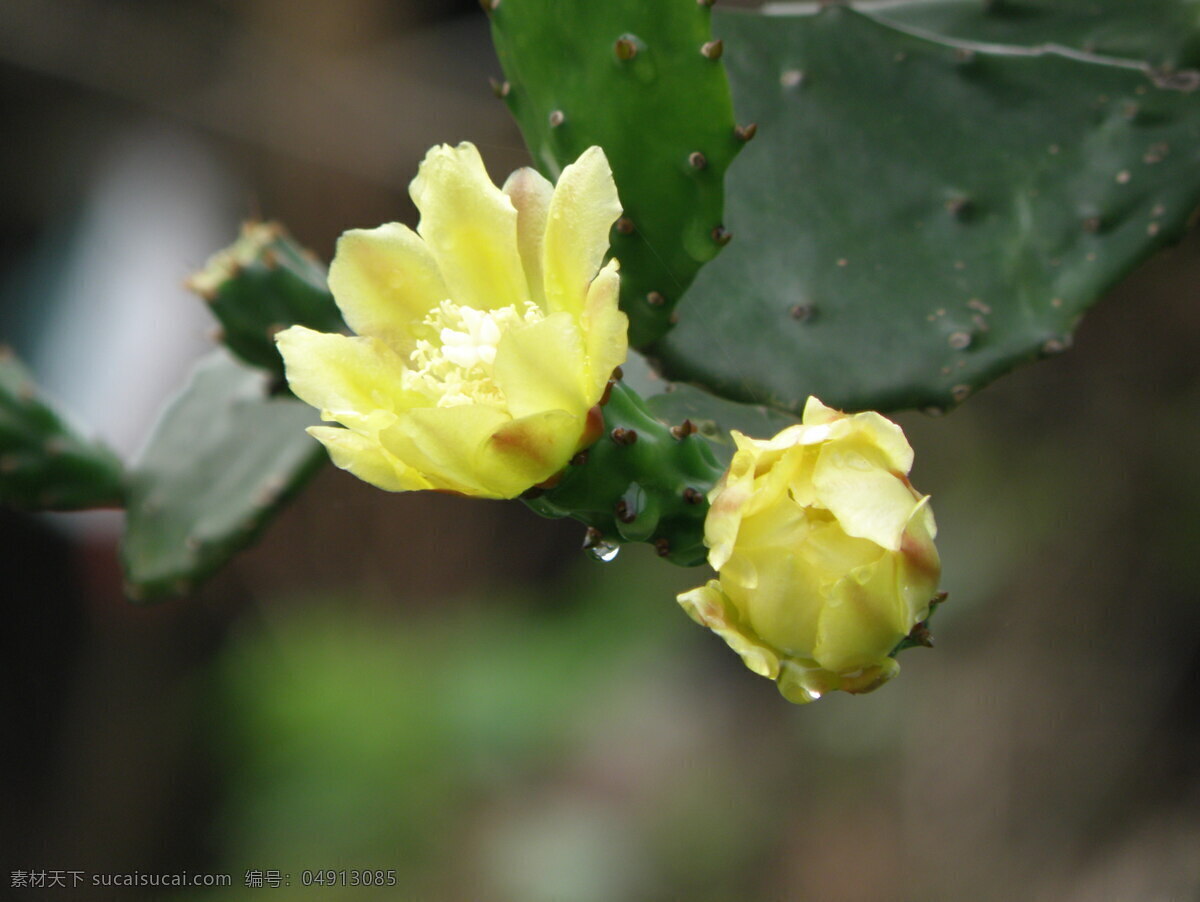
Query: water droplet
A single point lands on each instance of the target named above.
(604, 551)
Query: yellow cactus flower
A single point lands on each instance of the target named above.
(824, 553)
(484, 339)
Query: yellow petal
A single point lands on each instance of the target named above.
(829, 553)
(530, 193)
(772, 487)
(529, 451)
(804, 682)
(784, 605)
(470, 226)
(729, 497)
(582, 211)
(863, 619)
(446, 444)
(339, 373)
(541, 367)
(367, 460)
(606, 328)
(818, 414)
(920, 567)
(385, 280)
(780, 528)
(709, 606)
(887, 436)
(852, 479)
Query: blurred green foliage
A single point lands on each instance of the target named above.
(368, 740)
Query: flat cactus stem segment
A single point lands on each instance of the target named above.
(1163, 33)
(45, 464)
(714, 418)
(917, 217)
(260, 284)
(640, 482)
(644, 81)
(223, 459)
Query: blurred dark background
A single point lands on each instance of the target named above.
(450, 689)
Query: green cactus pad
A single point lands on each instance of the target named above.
(1164, 33)
(44, 463)
(260, 284)
(917, 217)
(712, 416)
(715, 417)
(641, 482)
(645, 82)
(221, 462)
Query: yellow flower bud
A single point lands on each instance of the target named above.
(484, 339)
(824, 553)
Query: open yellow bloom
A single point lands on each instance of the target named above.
(824, 552)
(484, 338)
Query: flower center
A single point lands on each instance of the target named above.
(457, 368)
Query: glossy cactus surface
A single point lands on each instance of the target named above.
(645, 82)
(918, 215)
(1163, 33)
(223, 459)
(643, 481)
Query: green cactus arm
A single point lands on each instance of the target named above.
(644, 81)
(918, 216)
(642, 481)
(223, 459)
(260, 284)
(45, 464)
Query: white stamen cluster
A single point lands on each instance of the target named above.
(457, 368)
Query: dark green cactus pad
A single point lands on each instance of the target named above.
(644, 81)
(713, 417)
(915, 218)
(222, 460)
(260, 284)
(44, 463)
(643, 481)
(1164, 33)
